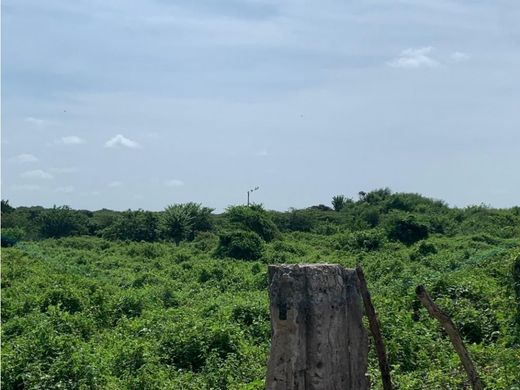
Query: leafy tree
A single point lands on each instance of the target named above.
(377, 196)
(254, 218)
(183, 221)
(338, 202)
(6, 207)
(102, 219)
(138, 225)
(61, 221)
(320, 207)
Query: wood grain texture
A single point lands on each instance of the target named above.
(318, 339)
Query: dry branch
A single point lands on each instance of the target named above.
(454, 335)
(375, 330)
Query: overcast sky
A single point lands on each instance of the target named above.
(140, 104)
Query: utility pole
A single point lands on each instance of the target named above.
(248, 192)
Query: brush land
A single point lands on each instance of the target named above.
(178, 299)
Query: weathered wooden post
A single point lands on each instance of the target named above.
(318, 339)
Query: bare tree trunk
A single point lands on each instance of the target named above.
(454, 335)
(375, 330)
(318, 339)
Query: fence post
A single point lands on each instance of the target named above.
(318, 338)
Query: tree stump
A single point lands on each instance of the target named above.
(318, 339)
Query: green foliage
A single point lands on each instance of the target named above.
(424, 249)
(295, 221)
(131, 225)
(516, 287)
(6, 207)
(61, 222)
(189, 345)
(254, 218)
(365, 240)
(339, 201)
(10, 236)
(406, 229)
(240, 245)
(183, 221)
(81, 312)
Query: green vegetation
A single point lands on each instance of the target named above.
(178, 299)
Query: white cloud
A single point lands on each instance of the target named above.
(262, 153)
(26, 187)
(459, 56)
(37, 122)
(415, 58)
(121, 140)
(24, 158)
(37, 174)
(173, 183)
(65, 170)
(66, 189)
(115, 183)
(70, 140)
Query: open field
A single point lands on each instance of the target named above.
(93, 312)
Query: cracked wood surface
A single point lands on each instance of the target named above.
(318, 339)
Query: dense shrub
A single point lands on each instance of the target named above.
(128, 305)
(89, 313)
(138, 225)
(10, 236)
(205, 241)
(254, 218)
(516, 287)
(366, 240)
(66, 299)
(406, 229)
(295, 221)
(422, 250)
(84, 242)
(254, 318)
(62, 221)
(188, 345)
(240, 244)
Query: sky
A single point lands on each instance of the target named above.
(141, 104)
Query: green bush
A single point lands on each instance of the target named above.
(240, 245)
(366, 240)
(516, 287)
(406, 229)
(423, 250)
(61, 222)
(66, 299)
(254, 318)
(138, 225)
(188, 345)
(10, 236)
(254, 218)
